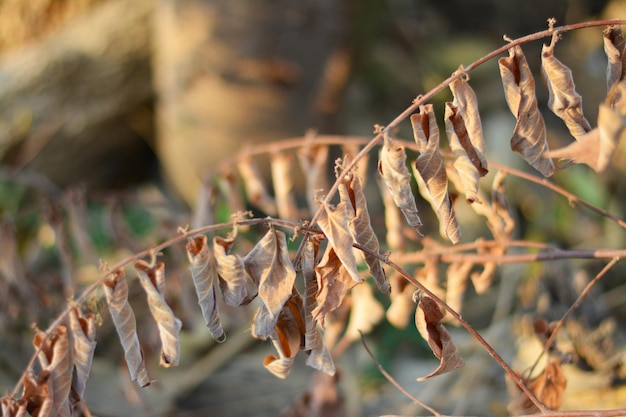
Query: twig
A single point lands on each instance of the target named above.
(509, 371)
(573, 307)
(393, 381)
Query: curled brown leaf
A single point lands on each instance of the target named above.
(360, 225)
(116, 292)
(428, 318)
(465, 100)
(563, 99)
(334, 222)
(254, 185)
(313, 161)
(333, 283)
(462, 151)
(392, 168)
(529, 135)
(431, 173)
(84, 345)
(283, 181)
(287, 338)
(55, 357)
(548, 387)
(152, 280)
(614, 47)
(270, 268)
(231, 272)
(204, 275)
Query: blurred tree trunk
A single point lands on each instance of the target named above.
(230, 72)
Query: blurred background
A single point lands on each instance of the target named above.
(113, 111)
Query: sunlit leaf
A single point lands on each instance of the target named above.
(84, 345)
(563, 100)
(428, 316)
(204, 275)
(152, 280)
(231, 272)
(614, 47)
(116, 291)
(55, 357)
(270, 268)
(529, 135)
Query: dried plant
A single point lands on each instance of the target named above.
(337, 250)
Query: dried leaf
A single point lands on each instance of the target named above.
(231, 273)
(55, 357)
(116, 291)
(228, 185)
(333, 283)
(287, 338)
(392, 168)
(18, 408)
(465, 100)
(456, 284)
(402, 306)
(334, 222)
(204, 275)
(270, 268)
(428, 318)
(596, 148)
(84, 340)
(361, 228)
(152, 280)
(529, 135)
(255, 186)
(431, 173)
(283, 180)
(394, 224)
(365, 312)
(313, 161)
(203, 211)
(548, 387)
(36, 396)
(350, 151)
(614, 47)
(319, 355)
(462, 152)
(563, 100)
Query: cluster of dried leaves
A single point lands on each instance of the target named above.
(328, 263)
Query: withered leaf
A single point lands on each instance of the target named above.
(392, 168)
(254, 185)
(465, 159)
(116, 292)
(431, 173)
(55, 357)
(270, 268)
(365, 312)
(152, 280)
(287, 338)
(36, 398)
(563, 100)
(456, 284)
(18, 408)
(319, 356)
(283, 181)
(231, 272)
(313, 161)
(352, 194)
(465, 100)
(84, 345)
(402, 306)
(334, 222)
(548, 387)
(394, 223)
(596, 148)
(204, 275)
(614, 47)
(529, 136)
(333, 283)
(428, 318)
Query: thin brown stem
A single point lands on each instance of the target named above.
(393, 381)
(509, 371)
(573, 307)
